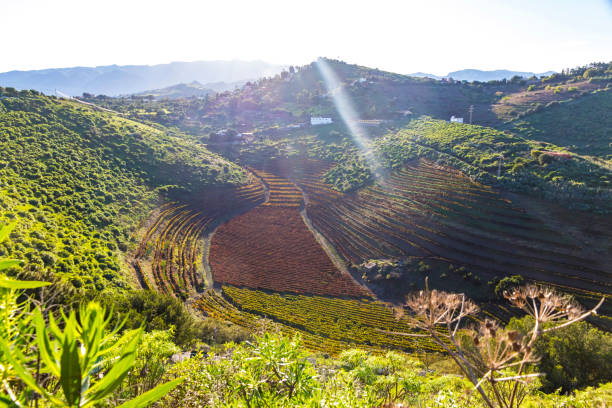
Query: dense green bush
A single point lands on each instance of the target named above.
(507, 284)
(573, 357)
(156, 311)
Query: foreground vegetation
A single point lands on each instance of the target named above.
(77, 360)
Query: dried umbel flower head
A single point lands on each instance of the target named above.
(544, 304)
(434, 307)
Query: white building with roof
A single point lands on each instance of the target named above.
(318, 120)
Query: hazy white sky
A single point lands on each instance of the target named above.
(402, 36)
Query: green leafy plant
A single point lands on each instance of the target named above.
(70, 352)
(273, 370)
(73, 356)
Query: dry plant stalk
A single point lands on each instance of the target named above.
(497, 361)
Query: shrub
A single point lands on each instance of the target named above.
(496, 359)
(155, 311)
(573, 357)
(508, 284)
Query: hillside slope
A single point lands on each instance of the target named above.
(76, 182)
(191, 89)
(508, 161)
(293, 96)
(581, 125)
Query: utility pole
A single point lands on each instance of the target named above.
(471, 112)
(501, 158)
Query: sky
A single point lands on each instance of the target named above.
(403, 36)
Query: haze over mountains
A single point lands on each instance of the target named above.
(207, 76)
(115, 80)
(482, 76)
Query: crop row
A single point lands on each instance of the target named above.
(282, 192)
(172, 243)
(308, 175)
(423, 211)
(270, 247)
(352, 321)
(175, 250)
(214, 305)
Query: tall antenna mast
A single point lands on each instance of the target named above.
(471, 110)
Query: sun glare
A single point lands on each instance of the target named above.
(349, 115)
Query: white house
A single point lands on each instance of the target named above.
(456, 120)
(316, 120)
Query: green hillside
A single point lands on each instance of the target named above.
(76, 182)
(582, 125)
(505, 160)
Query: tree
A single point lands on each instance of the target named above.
(573, 357)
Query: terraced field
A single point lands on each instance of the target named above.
(282, 193)
(268, 263)
(270, 247)
(428, 211)
(215, 305)
(172, 247)
(327, 324)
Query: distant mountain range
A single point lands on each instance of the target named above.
(115, 80)
(482, 76)
(193, 78)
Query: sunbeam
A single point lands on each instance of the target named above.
(349, 116)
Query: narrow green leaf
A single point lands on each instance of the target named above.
(18, 284)
(8, 263)
(47, 351)
(18, 368)
(151, 396)
(71, 371)
(117, 373)
(6, 402)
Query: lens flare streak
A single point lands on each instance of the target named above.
(349, 115)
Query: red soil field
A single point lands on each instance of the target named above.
(270, 247)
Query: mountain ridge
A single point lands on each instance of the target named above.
(471, 74)
(128, 79)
